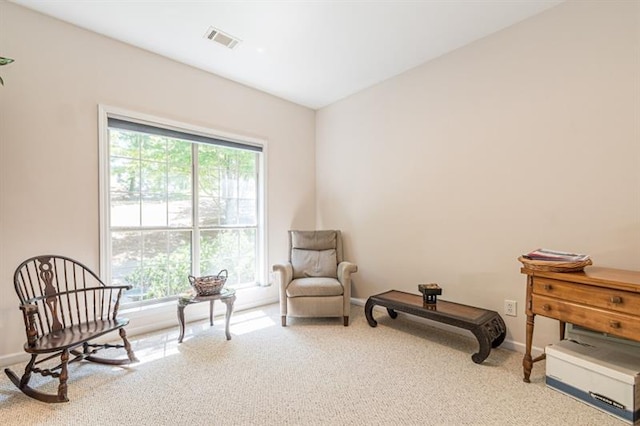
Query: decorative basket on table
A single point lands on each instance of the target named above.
(554, 266)
(209, 285)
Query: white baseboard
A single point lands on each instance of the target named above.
(15, 358)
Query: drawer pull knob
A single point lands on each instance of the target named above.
(614, 324)
(616, 299)
(547, 287)
(546, 307)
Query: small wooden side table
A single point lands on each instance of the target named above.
(227, 296)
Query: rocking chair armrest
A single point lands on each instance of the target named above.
(29, 312)
(29, 309)
(117, 287)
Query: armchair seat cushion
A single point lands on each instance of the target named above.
(315, 286)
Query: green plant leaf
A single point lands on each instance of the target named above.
(1, 82)
(5, 61)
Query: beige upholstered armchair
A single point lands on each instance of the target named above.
(316, 282)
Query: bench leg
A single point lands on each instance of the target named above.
(368, 312)
(485, 346)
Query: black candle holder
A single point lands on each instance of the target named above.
(430, 293)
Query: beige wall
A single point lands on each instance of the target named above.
(527, 138)
(49, 142)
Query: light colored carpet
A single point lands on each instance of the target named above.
(315, 371)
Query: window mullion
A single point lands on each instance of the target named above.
(259, 227)
(139, 139)
(166, 182)
(195, 197)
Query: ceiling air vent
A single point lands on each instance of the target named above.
(221, 37)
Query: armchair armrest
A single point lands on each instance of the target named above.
(285, 273)
(345, 269)
(284, 277)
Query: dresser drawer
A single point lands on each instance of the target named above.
(615, 300)
(614, 323)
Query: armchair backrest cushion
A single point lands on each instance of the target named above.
(315, 253)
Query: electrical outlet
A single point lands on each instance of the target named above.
(511, 308)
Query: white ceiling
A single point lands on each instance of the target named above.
(312, 53)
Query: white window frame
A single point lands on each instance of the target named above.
(105, 112)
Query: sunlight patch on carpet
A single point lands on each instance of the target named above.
(250, 321)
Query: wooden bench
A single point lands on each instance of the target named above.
(487, 326)
(65, 306)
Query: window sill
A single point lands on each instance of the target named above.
(152, 317)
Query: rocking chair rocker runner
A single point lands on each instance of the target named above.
(65, 306)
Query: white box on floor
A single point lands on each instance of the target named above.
(602, 377)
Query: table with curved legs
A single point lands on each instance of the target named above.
(227, 296)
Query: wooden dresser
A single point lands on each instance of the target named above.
(602, 299)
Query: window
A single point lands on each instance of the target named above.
(176, 202)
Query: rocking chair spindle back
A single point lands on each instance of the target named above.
(65, 305)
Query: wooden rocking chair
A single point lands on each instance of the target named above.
(65, 306)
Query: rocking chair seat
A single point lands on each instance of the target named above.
(74, 336)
